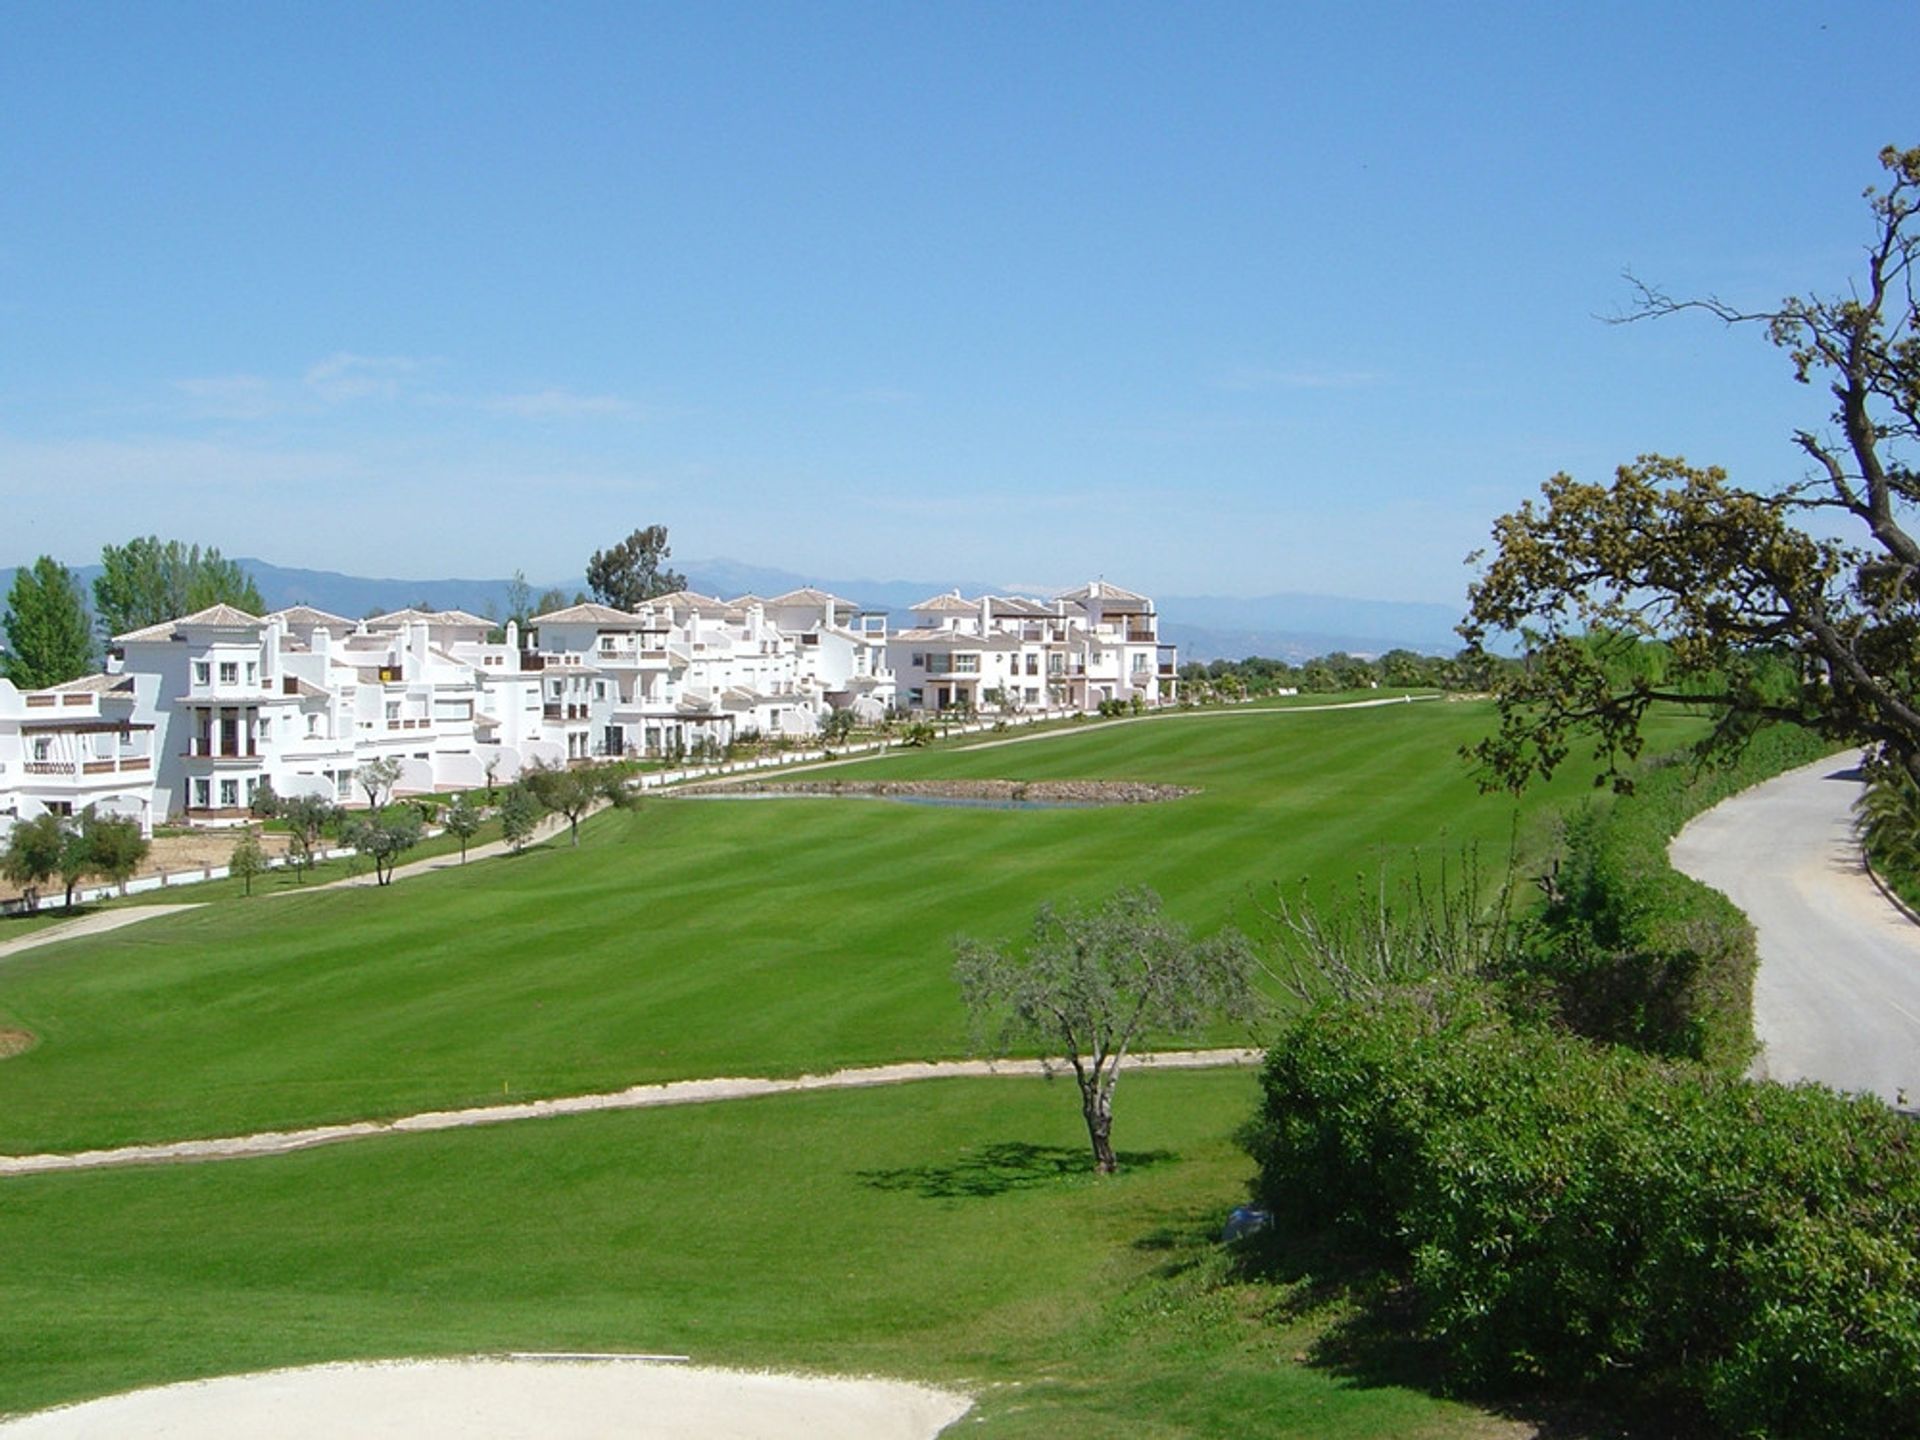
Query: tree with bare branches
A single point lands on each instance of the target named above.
(1797, 601)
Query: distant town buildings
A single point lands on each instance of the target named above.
(193, 715)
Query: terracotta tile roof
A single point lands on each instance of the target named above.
(307, 618)
(590, 613)
(460, 619)
(214, 617)
(950, 603)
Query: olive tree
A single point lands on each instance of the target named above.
(1795, 600)
(463, 820)
(1091, 982)
(383, 836)
(32, 855)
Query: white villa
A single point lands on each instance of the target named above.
(193, 715)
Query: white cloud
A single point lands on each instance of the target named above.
(343, 376)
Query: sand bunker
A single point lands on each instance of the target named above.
(507, 1399)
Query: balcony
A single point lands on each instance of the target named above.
(1136, 636)
(48, 767)
(564, 712)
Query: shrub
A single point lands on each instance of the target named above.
(1633, 952)
(1594, 1218)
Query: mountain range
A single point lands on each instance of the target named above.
(1287, 626)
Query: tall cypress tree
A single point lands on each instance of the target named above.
(49, 635)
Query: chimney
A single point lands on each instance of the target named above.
(513, 637)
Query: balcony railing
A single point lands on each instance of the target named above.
(48, 767)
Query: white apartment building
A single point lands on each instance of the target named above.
(72, 746)
(194, 714)
(1003, 654)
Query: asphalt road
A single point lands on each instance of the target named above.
(1837, 997)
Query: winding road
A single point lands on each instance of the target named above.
(1837, 996)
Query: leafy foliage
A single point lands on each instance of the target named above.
(1633, 952)
(1765, 619)
(634, 570)
(1090, 983)
(520, 812)
(72, 848)
(49, 638)
(575, 791)
(148, 580)
(383, 836)
(307, 817)
(463, 819)
(33, 855)
(249, 858)
(1590, 1217)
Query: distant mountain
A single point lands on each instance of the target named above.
(1206, 627)
(1298, 626)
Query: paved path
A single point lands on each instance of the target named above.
(1837, 996)
(637, 1097)
(95, 923)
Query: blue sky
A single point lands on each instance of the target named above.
(1205, 298)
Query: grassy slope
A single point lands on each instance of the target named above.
(945, 1231)
(696, 938)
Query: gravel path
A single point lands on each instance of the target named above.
(1837, 996)
(636, 1097)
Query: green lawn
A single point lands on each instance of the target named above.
(698, 937)
(947, 1231)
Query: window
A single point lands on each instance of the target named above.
(343, 784)
(1033, 664)
(42, 748)
(253, 672)
(917, 660)
(1056, 664)
(253, 787)
(229, 672)
(202, 794)
(202, 673)
(393, 709)
(1032, 693)
(966, 664)
(313, 727)
(229, 793)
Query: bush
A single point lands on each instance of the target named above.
(1594, 1218)
(1633, 952)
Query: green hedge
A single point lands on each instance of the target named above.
(1635, 953)
(1743, 1256)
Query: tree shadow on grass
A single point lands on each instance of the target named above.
(1370, 1336)
(998, 1169)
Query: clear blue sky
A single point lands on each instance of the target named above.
(1207, 298)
